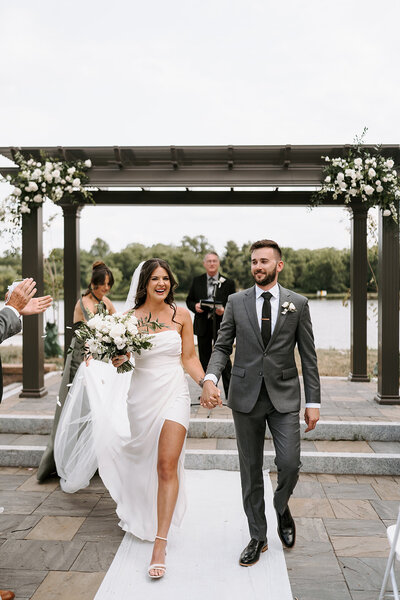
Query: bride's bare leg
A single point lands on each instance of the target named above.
(170, 445)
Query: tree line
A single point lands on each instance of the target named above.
(306, 271)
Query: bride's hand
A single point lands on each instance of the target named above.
(117, 361)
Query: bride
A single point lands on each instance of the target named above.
(136, 438)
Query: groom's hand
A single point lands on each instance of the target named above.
(210, 396)
(311, 417)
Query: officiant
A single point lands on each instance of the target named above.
(207, 298)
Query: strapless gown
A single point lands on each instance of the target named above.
(113, 422)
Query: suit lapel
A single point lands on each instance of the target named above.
(284, 296)
(249, 300)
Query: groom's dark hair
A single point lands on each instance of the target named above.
(266, 244)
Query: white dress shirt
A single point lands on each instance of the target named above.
(274, 300)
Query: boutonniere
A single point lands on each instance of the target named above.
(288, 307)
(220, 281)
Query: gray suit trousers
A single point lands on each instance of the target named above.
(250, 434)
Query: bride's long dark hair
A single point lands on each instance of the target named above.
(146, 272)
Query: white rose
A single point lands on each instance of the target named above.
(340, 176)
(93, 346)
(389, 163)
(117, 330)
(327, 159)
(38, 198)
(119, 342)
(328, 179)
(386, 212)
(371, 172)
(88, 163)
(56, 173)
(25, 208)
(342, 185)
(132, 328)
(94, 322)
(71, 170)
(379, 188)
(76, 182)
(369, 190)
(358, 162)
(33, 186)
(17, 191)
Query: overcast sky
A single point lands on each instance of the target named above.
(175, 72)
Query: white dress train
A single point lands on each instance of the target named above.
(113, 422)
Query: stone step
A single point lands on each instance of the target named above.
(379, 431)
(381, 461)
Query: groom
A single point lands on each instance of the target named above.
(267, 321)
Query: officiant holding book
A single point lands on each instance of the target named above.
(207, 298)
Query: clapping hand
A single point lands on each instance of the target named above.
(36, 306)
(21, 294)
(211, 396)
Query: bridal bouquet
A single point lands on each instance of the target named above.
(106, 336)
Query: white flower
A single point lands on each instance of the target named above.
(17, 191)
(340, 176)
(119, 342)
(328, 179)
(94, 322)
(389, 163)
(25, 209)
(38, 198)
(71, 170)
(33, 186)
(371, 172)
(56, 173)
(379, 188)
(386, 212)
(76, 182)
(117, 330)
(369, 190)
(358, 162)
(88, 163)
(327, 159)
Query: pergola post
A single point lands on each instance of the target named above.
(358, 284)
(72, 285)
(388, 312)
(33, 343)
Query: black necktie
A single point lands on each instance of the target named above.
(266, 318)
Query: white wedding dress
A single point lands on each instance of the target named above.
(113, 422)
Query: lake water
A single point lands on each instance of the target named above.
(331, 323)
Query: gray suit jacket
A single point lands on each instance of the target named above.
(10, 324)
(275, 363)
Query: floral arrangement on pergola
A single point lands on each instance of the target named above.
(37, 180)
(362, 175)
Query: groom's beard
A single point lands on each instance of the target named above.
(269, 277)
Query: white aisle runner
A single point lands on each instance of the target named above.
(202, 559)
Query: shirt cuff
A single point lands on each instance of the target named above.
(14, 310)
(312, 405)
(211, 377)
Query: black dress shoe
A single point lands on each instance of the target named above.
(286, 528)
(251, 553)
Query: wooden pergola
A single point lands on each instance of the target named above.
(164, 176)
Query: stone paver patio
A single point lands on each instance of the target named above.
(59, 546)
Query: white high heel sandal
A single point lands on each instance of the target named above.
(158, 566)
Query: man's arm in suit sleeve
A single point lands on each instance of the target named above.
(224, 344)
(191, 299)
(306, 346)
(10, 324)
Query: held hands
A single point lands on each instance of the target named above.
(220, 311)
(311, 417)
(211, 396)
